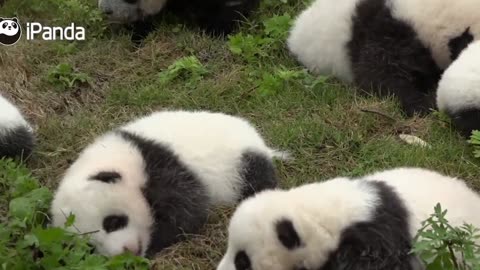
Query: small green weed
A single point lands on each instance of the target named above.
(187, 68)
(26, 242)
(444, 247)
(65, 77)
(275, 30)
(475, 141)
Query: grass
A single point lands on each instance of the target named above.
(73, 92)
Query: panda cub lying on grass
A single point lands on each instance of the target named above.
(217, 17)
(16, 135)
(350, 224)
(144, 185)
(387, 47)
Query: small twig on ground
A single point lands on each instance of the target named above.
(379, 113)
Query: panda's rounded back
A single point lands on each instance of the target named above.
(210, 144)
(17, 138)
(319, 37)
(421, 189)
(438, 22)
(10, 116)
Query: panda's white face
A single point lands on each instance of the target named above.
(270, 231)
(126, 11)
(103, 190)
(117, 217)
(9, 27)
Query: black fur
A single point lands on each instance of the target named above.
(178, 199)
(114, 223)
(216, 17)
(258, 173)
(107, 177)
(466, 121)
(388, 58)
(242, 261)
(457, 44)
(16, 142)
(287, 235)
(384, 243)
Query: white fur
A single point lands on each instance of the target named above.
(10, 116)
(320, 35)
(459, 87)
(91, 200)
(124, 12)
(438, 21)
(320, 211)
(209, 144)
(422, 189)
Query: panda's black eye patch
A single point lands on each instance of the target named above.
(114, 223)
(242, 261)
(107, 177)
(131, 1)
(287, 234)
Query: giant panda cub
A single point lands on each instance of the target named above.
(142, 186)
(343, 223)
(16, 135)
(458, 92)
(386, 47)
(217, 17)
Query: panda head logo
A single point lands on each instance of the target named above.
(10, 31)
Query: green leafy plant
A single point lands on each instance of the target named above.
(275, 30)
(27, 242)
(444, 247)
(475, 141)
(64, 76)
(281, 78)
(187, 68)
(249, 46)
(272, 83)
(278, 27)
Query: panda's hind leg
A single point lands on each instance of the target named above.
(389, 59)
(257, 172)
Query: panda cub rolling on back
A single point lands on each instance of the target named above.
(16, 135)
(349, 224)
(386, 47)
(458, 92)
(154, 179)
(218, 17)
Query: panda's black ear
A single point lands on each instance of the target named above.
(106, 177)
(15, 19)
(287, 234)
